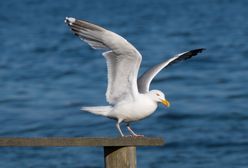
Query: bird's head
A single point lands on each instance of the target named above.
(159, 97)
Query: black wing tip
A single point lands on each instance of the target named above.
(70, 21)
(201, 49)
(196, 51)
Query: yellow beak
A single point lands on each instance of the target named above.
(165, 102)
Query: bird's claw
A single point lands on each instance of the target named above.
(138, 135)
(134, 135)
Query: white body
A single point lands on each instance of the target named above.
(138, 109)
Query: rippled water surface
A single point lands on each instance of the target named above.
(47, 74)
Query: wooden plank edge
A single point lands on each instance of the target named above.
(79, 141)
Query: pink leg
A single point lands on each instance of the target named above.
(132, 132)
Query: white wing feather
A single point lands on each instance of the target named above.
(123, 59)
(144, 81)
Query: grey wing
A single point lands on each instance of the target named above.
(144, 81)
(123, 60)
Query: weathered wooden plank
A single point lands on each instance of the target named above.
(80, 141)
(123, 157)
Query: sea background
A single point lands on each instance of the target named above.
(47, 74)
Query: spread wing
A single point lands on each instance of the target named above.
(123, 60)
(145, 80)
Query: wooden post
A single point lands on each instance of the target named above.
(123, 157)
(118, 152)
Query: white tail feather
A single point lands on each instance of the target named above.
(98, 110)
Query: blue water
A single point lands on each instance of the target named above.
(47, 74)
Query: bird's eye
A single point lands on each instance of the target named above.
(157, 94)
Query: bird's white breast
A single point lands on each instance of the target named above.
(138, 109)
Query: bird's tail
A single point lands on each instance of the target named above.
(98, 110)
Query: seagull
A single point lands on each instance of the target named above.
(128, 96)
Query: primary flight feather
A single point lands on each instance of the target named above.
(129, 98)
